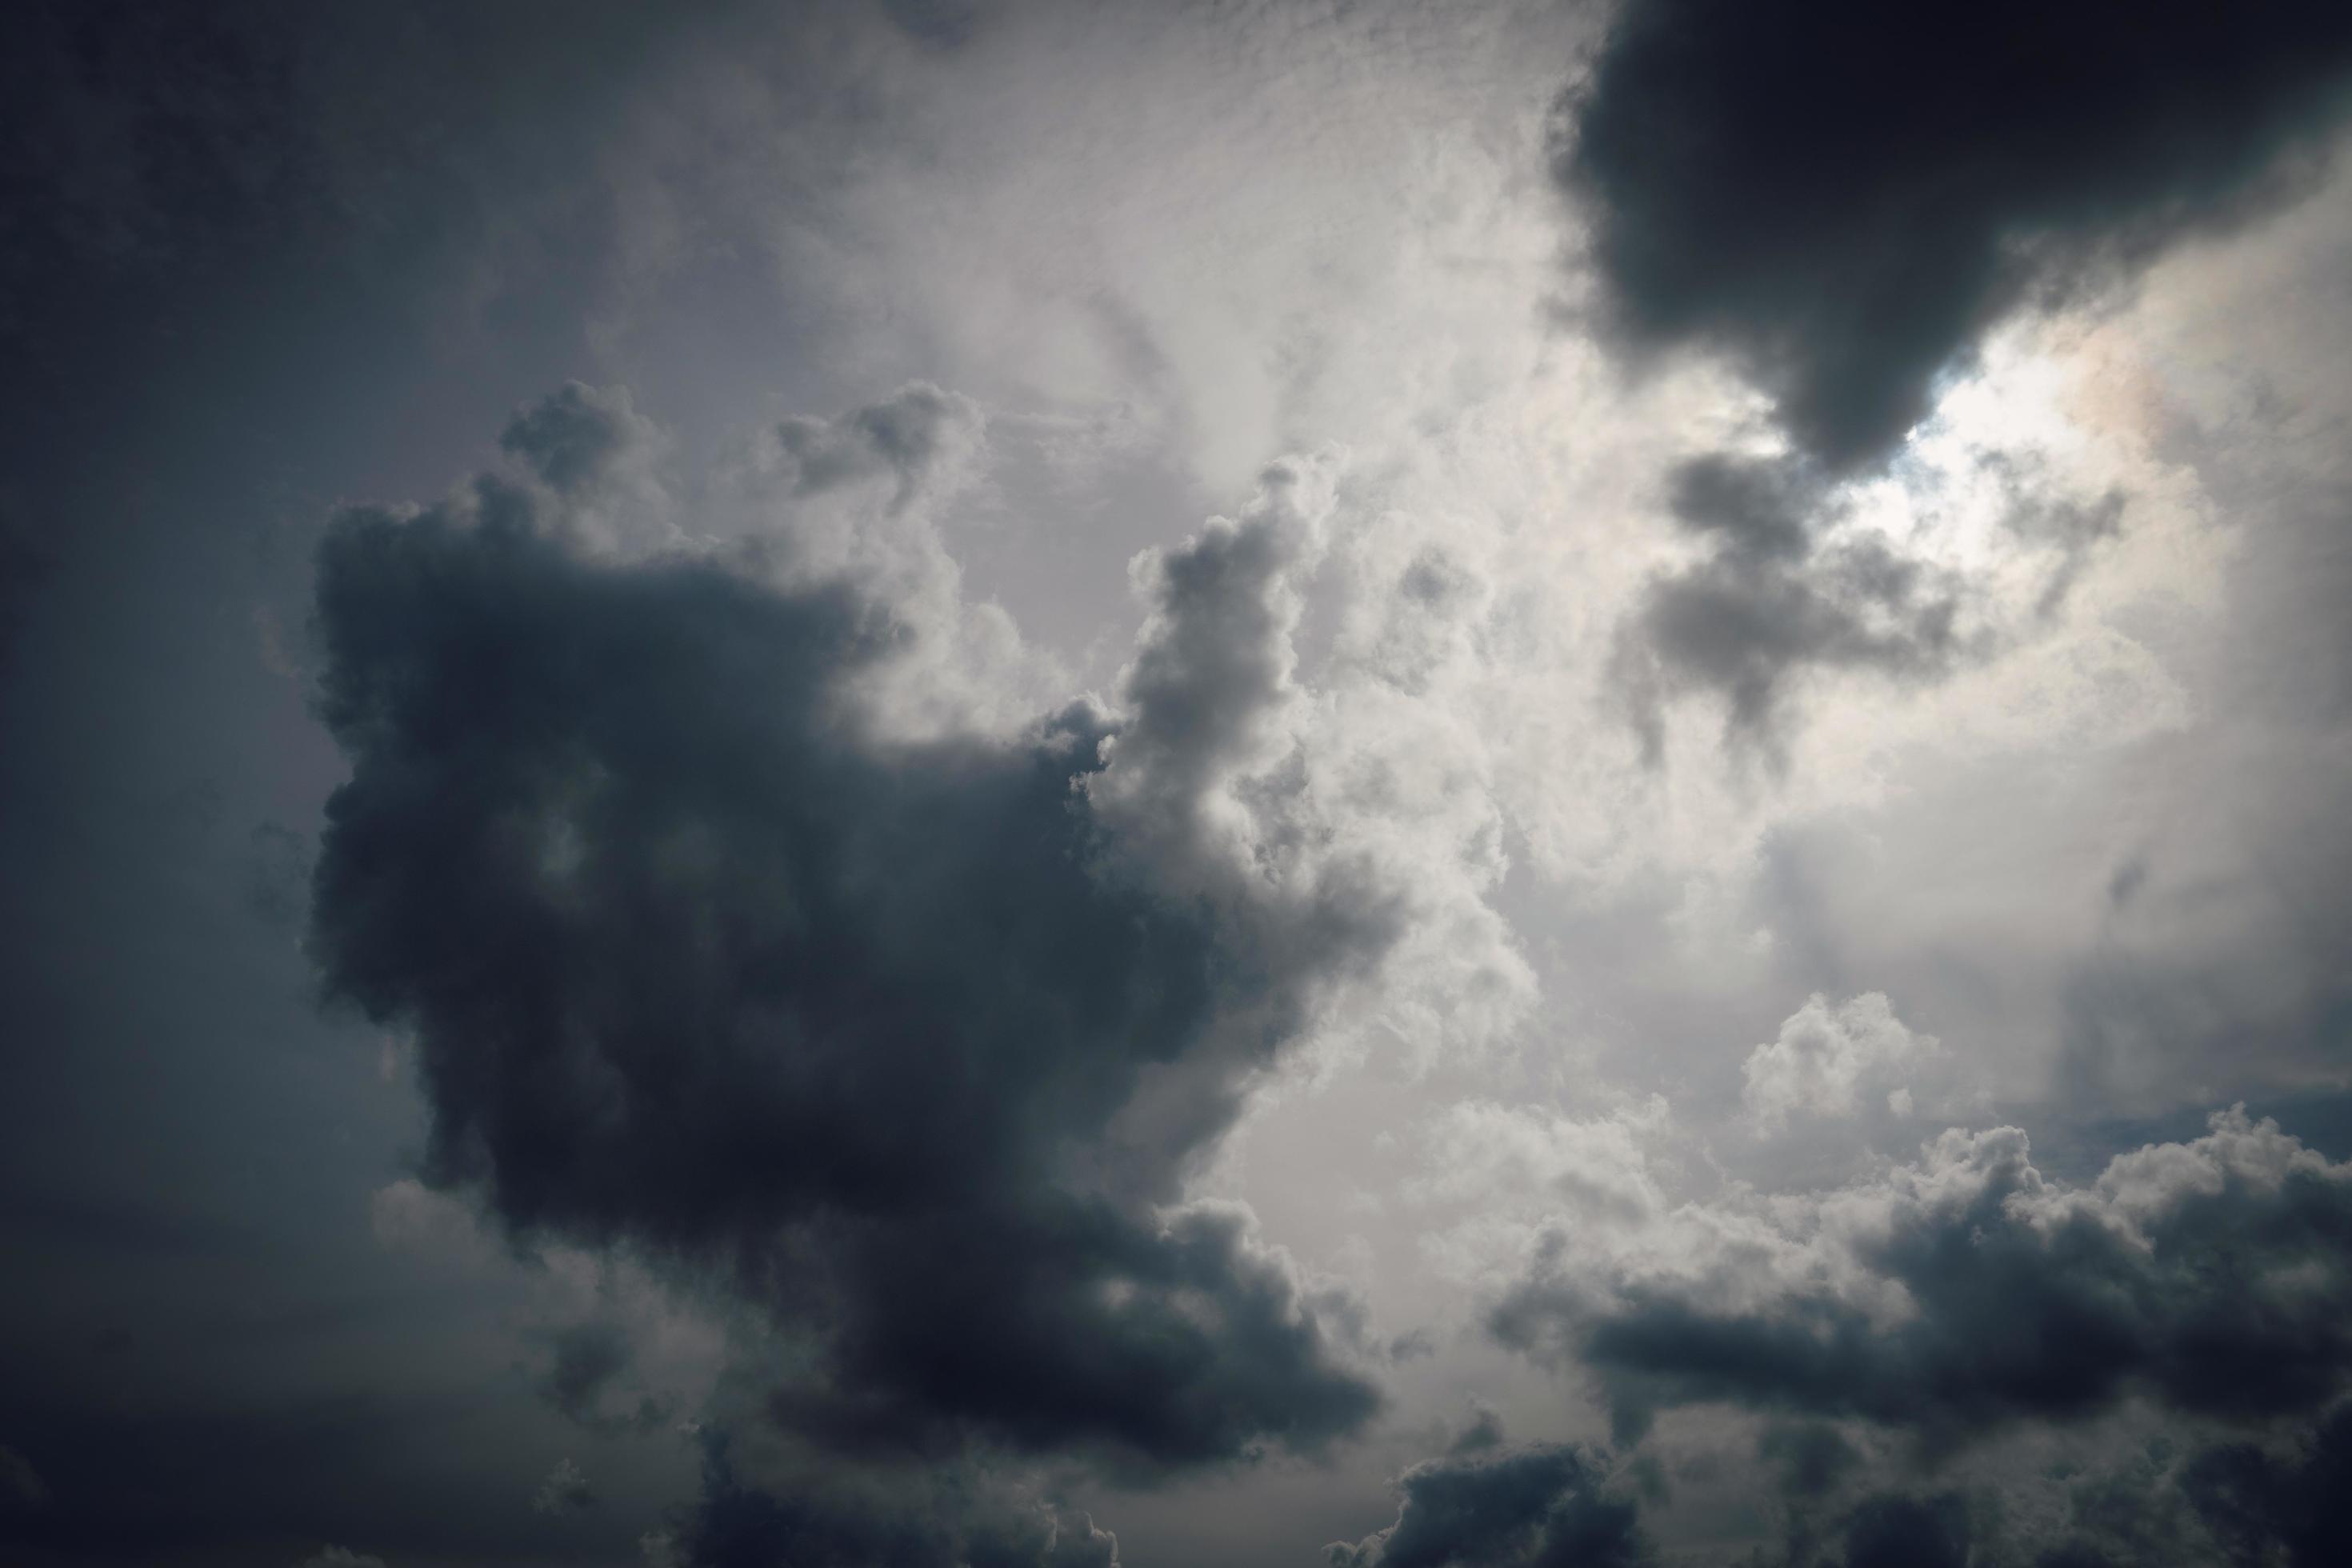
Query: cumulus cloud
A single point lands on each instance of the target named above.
(1482, 1153)
(1544, 1504)
(1968, 1291)
(1840, 198)
(1840, 201)
(1825, 1054)
(909, 1042)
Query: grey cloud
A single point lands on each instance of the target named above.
(587, 1362)
(2164, 1500)
(1545, 1506)
(861, 1029)
(2213, 1277)
(1773, 602)
(565, 1490)
(1811, 1457)
(571, 437)
(276, 874)
(2261, 1506)
(915, 1525)
(901, 439)
(1780, 595)
(2276, 1503)
(1215, 661)
(1841, 197)
(1761, 508)
(1898, 1532)
(1484, 1433)
(2073, 528)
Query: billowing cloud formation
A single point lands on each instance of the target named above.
(908, 1040)
(1823, 1056)
(1968, 1290)
(1840, 195)
(1545, 1506)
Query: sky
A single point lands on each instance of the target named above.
(1044, 786)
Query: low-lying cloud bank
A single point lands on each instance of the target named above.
(1963, 1292)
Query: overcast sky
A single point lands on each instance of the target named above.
(816, 786)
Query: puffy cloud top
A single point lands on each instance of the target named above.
(1968, 1290)
(906, 1040)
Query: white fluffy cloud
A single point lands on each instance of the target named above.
(1826, 1054)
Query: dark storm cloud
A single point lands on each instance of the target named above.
(1898, 1532)
(738, 1526)
(2261, 1507)
(697, 966)
(1546, 1506)
(586, 1363)
(1810, 1457)
(1840, 195)
(1772, 603)
(2214, 1278)
(2279, 1503)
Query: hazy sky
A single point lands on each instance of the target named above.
(1042, 785)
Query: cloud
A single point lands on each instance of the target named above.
(565, 1490)
(1968, 1292)
(1840, 198)
(575, 437)
(2261, 1505)
(904, 441)
(1744, 629)
(1810, 1457)
(341, 1557)
(1797, 581)
(918, 1524)
(1824, 1055)
(907, 1042)
(1544, 1504)
(1894, 1530)
(587, 1362)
